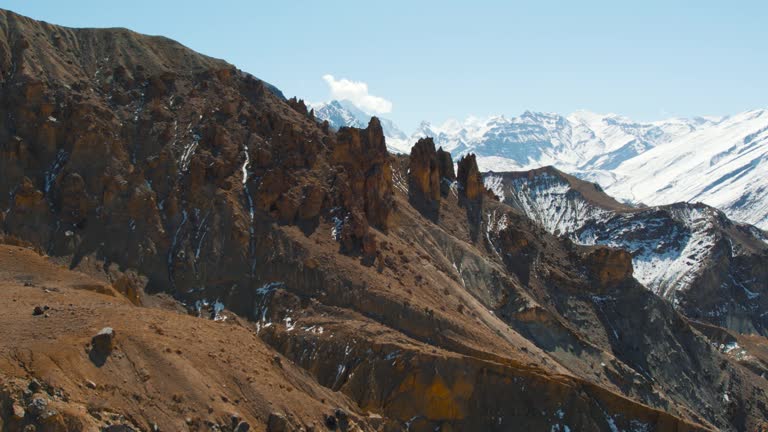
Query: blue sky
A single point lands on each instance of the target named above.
(436, 60)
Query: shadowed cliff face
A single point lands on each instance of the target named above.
(111, 148)
(709, 267)
(402, 289)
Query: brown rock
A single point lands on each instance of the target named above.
(472, 187)
(243, 426)
(29, 215)
(312, 203)
(445, 165)
(363, 155)
(104, 341)
(17, 411)
(74, 202)
(424, 177)
(276, 423)
(609, 266)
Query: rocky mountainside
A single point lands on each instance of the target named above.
(710, 268)
(718, 161)
(234, 263)
(725, 166)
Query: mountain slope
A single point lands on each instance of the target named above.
(707, 266)
(725, 166)
(400, 287)
(717, 161)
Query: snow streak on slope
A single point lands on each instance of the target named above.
(722, 162)
(668, 245)
(725, 166)
(709, 267)
(548, 200)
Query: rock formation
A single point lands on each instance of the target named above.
(424, 178)
(445, 165)
(469, 178)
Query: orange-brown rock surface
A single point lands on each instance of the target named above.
(610, 266)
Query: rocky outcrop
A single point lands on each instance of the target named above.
(445, 165)
(469, 178)
(162, 168)
(29, 215)
(424, 178)
(709, 267)
(471, 193)
(361, 155)
(609, 266)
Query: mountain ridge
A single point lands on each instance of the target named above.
(678, 250)
(300, 277)
(614, 151)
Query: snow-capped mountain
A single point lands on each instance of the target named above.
(689, 254)
(722, 162)
(580, 141)
(345, 113)
(724, 165)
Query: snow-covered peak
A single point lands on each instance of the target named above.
(720, 161)
(724, 165)
(677, 250)
(345, 113)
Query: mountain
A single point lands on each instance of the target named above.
(709, 267)
(580, 141)
(718, 161)
(724, 165)
(344, 113)
(183, 248)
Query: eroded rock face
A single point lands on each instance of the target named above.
(29, 213)
(208, 184)
(445, 165)
(469, 177)
(609, 266)
(362, 153)
(174, 165)
(424, 177)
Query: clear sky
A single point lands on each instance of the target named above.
(436, 60)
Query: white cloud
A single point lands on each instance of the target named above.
(357, 93)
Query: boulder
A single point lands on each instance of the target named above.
(276, 423)
(17, 411)
(104, 341)
(37, 406)
(243, 426)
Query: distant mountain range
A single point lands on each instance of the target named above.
(690, 254)
(720, 161)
